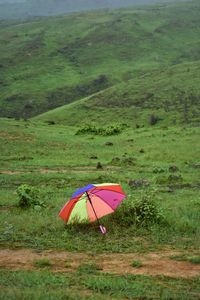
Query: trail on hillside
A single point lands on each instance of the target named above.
(61, 261)
(83, 169)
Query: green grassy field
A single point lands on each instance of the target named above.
(46, 62)
(55, 160)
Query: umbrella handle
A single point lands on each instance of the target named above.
(103, 229)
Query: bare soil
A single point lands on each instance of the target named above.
(61, 261)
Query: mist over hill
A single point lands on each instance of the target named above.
(29, 8)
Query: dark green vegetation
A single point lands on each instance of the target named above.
(98, 286)
(149, 55)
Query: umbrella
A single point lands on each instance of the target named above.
(92, 202)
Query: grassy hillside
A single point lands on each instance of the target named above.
(171, 94)
(49, 62)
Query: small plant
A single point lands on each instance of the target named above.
(153, 120)
(28, 196)
(136, 264)
(89, 268)
(42, 263)
(67, 265)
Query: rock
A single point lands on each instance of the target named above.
(173, 169)
(115, 160)
(93, 157)
(108, 144)
(128, 161)
(175, 178)
(196, 165)
(99, 166)
(138, 183)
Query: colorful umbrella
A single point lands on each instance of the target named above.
(92, 202)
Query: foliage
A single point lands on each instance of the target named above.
(88, 268)
(102, 131)
(136, 264)
(28, 196)
(142, 211)
(42, 263)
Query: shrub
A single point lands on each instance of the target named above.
(153, 120)
(28, 196)
(103, 131)
(142, 212)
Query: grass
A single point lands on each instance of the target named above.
(134, 287)
(136, 264)
(45, 285)
(56, 161)
(191, 259)
(43, 263)
(89, 268)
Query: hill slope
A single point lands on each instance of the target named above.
(53, 61)
(172, 94)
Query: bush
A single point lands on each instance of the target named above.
(153, 120)
(103, 131)
(143, 212)
(28, 196)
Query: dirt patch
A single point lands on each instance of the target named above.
(12, 172)
(6, 207)
(152, 263)
(27, 138)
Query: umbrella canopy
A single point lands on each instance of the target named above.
(92, 202)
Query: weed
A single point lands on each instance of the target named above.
(136, 264)
(89, 268)
(29, 196)
(42, 263)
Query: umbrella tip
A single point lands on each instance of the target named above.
(103, 229)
